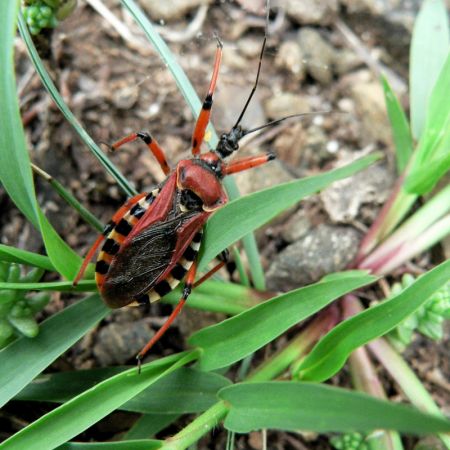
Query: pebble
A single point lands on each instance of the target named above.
(290, 57)
(310, 12)
(325, 249)
(296, 227)
(171, 10)
(344, 198)
(369, 102)
(117, 343)
(285, 104)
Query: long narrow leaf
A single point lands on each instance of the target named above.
(400, 127)
(235, 338)
(15, 171)
(147, 444)
(19, 256)
(25, 358)
(254, 210)
(73, 417)
(314, 407)
(429, 48)
(183, 391)
(330, 354)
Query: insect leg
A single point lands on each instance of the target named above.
(190, 277)
(109, 226)
(224, 256)
(152, 145)
(203, 118)
(247, 163)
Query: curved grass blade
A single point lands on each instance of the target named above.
(78, 414)
(235, 338)
(141, 444)
(12, 254)
(15, 172)
(400, 127)
(148, 425)
(181, 392)
(429, 47)
(314, 407)
(254, 210)
(191, 97)
(331, 352)
(58, 286)
(56, 96)
(25, 358)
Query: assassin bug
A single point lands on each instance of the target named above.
(152, 241)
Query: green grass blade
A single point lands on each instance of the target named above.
(235, 338)
(308, 406)
(15, 172)
(148, 425)
(12, 254)
(57, 98)
(191, 97)
(25, 358)
(331, 352)
(75, 416)
(147, 444)
(429, 48)
(182, 392)
(57, 286)
(254, 210)
(431, 160)
(400, 127)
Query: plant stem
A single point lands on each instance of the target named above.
(407, 380)
(365, 379)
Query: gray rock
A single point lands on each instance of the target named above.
(285, 104)
(290, 57)
(296, 227)
(324, 250)
(369, 101)
(344, 198)
(170, 10)
(318, 54)
(119, 342)
(310, 12)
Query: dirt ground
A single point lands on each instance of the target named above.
(116, 86)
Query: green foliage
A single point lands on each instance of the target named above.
(349, 441)
(428, 319)
(331, 352)
(310, 406)
(17, 309)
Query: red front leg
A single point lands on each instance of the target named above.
(205, 113)
(247, 163)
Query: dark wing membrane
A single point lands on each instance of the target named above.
(140, 262)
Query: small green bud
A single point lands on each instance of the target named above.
(46, 12)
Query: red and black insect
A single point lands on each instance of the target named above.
(151, 243)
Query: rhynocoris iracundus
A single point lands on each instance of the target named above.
(151, 243)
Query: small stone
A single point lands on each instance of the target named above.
(310, 12)
(170, 10)
(126, 97)
(290, 57)
(318, 55)
(370, 106)
(296, 227)
(285, 104)
(325, 249)
(344, 198)
(117, 343)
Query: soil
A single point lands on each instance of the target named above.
(116, 87)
